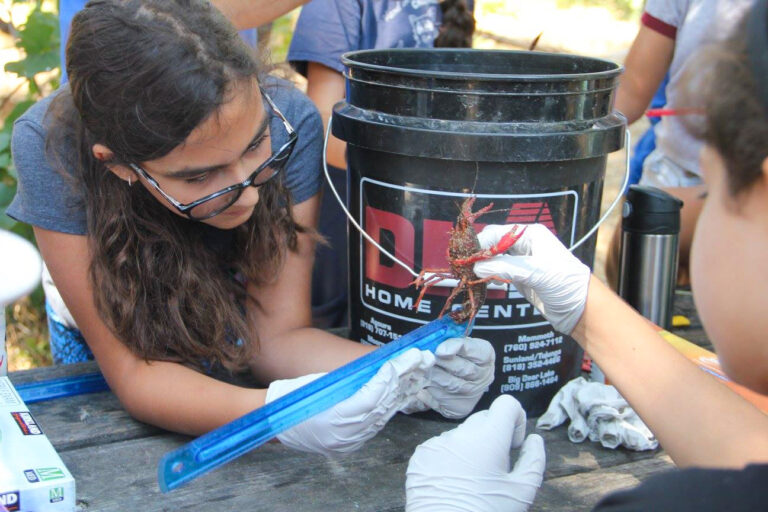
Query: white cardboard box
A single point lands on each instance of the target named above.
(32, 475)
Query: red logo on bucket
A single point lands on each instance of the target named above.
(531, 213)
(416, 229)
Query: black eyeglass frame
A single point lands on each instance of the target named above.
(283, 153)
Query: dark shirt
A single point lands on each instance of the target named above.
(695, 490)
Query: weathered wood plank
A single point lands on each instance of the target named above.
(582, 491)
(88, 420)
(83, 420)
(122, 476)
(98, 418)
(52, 372)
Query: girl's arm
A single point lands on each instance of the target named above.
(289, 347)
(699, 421)
(644, 68)
(165, 394)
(325, 87)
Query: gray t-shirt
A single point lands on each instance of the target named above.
(46, 199)
(695, 23)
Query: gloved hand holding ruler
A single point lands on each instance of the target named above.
(229, 441)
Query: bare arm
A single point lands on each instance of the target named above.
(325, 87)
(161, 393)
(289, 347)
(253, 13)
(644, 68)
(699, 421)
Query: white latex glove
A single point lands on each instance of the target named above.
(347, 425)
(467, 469)
(463, 370)
(542, 269)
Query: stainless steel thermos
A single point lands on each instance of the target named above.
(650, 231)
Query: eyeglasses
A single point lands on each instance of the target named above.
(213, 204)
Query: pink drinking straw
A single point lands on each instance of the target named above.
(663, 112)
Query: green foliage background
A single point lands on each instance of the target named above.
(37, 37)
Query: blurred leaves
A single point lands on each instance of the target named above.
(27, 335)
(37, 38)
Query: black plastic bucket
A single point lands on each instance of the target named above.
(427, 128)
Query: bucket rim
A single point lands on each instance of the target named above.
(348, 60)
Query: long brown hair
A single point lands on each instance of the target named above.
(143, 74)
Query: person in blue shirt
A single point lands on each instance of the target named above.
(325, 30)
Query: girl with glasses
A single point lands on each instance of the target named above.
(173, 189)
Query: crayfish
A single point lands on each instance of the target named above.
(463, 252)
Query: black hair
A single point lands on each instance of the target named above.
(458, 25)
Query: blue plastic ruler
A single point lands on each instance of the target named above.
(220, 446)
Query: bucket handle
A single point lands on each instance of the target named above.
(624, 183)
(627, 145)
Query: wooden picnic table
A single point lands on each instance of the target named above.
(114, 460)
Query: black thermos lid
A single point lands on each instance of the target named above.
(651, 211)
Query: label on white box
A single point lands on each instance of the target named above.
(32, 475)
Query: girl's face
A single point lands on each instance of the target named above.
(729, 273)
(223, 150)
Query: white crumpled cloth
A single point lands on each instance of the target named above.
(597, 411)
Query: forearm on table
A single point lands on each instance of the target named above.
(698, 421)
(303, 351)
(180, 399)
